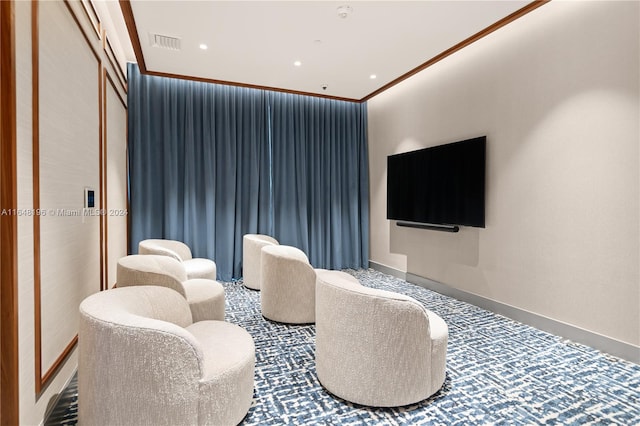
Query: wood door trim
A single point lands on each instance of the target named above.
(9, 354)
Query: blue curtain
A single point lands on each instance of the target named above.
(320, 178)
(209, 163)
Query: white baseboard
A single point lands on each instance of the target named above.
(388, 270)
(602, 343)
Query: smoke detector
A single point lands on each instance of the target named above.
(344, 11)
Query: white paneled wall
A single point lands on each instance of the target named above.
(69, 161)
(71, 135)
(116, 208)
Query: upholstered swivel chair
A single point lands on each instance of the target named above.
(204, 296)
(375, 347)
(143, 361)
(251, 253)
(195, 267)
(288, 284)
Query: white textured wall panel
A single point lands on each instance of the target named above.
(116, 182)
(69, 162)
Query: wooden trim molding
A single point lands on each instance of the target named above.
(250, 86)
(108, 79)
(102, 179)
(35, 108)
(9, 355)
(92, 16)
(127, 12)
(115, 64)
(81, 28)
(115, 89)
(48, 375)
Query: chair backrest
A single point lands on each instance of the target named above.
(288, 285)
(165, 271)
(172, 248)
(286, 252)
(263, 238)
(251, 256)
(341, 284)
(373, 346)
(286, 259)
(345, 308)
(129, 306)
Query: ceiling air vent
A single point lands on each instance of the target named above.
(164, 42)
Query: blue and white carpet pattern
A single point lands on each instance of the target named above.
(499, 372)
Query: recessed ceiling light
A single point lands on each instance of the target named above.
(373, 76)
(203, 46)
(297, 63)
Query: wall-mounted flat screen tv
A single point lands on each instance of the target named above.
(442, 185)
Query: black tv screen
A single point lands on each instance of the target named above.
(442, 185)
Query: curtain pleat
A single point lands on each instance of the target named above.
(209, 163)
(320, 180)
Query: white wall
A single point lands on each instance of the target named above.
(117, 213)
(77, 108)
(32, 406)
(557, 94)
(69, 148)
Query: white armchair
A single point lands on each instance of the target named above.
(251, 253)
(204, 296)
(375, 347)
(142, 361)
(195, 267)
(288, 285)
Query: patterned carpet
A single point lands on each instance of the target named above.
(499, 372)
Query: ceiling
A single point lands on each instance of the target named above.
(257, 43)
